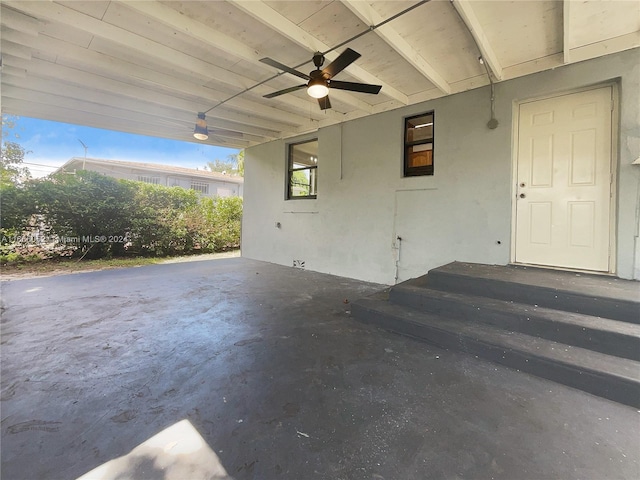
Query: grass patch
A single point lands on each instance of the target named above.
(69, 265)
(56, 266)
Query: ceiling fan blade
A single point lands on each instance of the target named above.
(284, 68)
(345, 59)
(355, 87)
(324, 103)
(286, 90)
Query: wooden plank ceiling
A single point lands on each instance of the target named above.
(148, 67)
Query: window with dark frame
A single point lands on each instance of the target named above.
(302, 175)
(418, 145)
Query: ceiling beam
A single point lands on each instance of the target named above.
(16, 72)
(605, 47)
(108, 101)
(470, 19)
(61, 114)
(174, 19)
(282, 25)
(367, 14)
(117, 69)
(96, 62)
(19, 21)
(566, 31)
(15, 49)
(9, 34)
(58, 13)
(162, 117)
(149, 117)
(101, 84)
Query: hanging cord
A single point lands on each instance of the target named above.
(364, 32)
(493, 122)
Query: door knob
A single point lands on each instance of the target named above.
(522, 195)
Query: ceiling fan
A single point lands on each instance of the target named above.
(320, 81)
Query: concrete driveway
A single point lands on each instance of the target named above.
(241, 369)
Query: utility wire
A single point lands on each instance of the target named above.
(39, 165)
(374, 27)
(355, 37)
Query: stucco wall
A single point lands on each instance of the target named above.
(460, 213)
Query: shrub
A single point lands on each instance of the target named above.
(94, 216)
(215, 223)
(155, 226)
(83, 209)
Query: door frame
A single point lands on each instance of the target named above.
(613, 217)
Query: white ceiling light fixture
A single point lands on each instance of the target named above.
(317, 88)
(201, 131)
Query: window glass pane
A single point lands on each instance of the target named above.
(419, 156)
(304, 154)
(420, 128)
(300, 183)
(303, 172)
(313, 181)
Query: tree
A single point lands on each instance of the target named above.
(14, 205)
(240, 159)
(234, 164)
(300, 182)
(11, 166)
(221, 167)
(15, 208)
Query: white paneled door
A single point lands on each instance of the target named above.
(564, 177)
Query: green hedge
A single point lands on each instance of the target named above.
(94, 216)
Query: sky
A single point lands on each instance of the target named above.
(51, 144)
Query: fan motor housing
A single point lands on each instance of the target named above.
(317, 75)
(318, 59)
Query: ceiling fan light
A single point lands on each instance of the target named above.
(317, 88)
(201, 131)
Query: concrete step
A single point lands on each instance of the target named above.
(604, 335)
(595, 295)
(611, 377)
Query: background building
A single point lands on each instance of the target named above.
(211, 184)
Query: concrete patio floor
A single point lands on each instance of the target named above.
(279, 381)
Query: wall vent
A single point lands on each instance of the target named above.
(298, 264)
